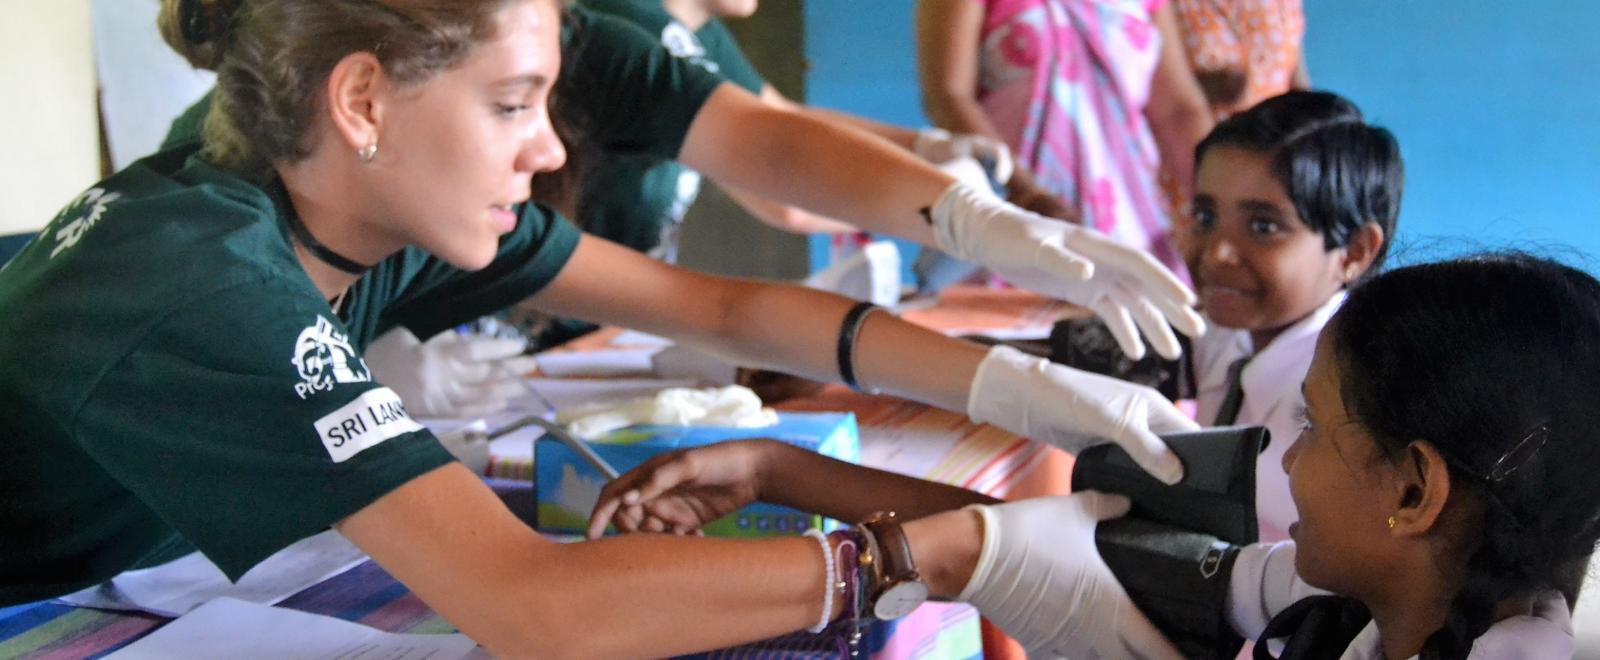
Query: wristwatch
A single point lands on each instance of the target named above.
(894, 587)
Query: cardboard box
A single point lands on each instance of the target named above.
(567, 488)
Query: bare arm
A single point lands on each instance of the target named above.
(904, 138)
(784, 327)
(800, 159)
(947, 34)
(1178, 112)
(809, 481)
(452, 542)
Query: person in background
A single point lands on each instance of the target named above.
(1092, 97)
(1242, 52)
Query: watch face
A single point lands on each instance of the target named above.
(899, 600)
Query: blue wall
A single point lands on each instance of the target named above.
(1496, 104)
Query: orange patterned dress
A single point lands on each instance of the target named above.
(1243, 51)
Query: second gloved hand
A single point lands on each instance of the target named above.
(1072, 409)
(1041, 580)
(1128, 288)
(450, 375)
(939, 146)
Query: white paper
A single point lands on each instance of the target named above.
(636, 339)
(144, 84)
(594, 364)
(183, 584)
(229, 628)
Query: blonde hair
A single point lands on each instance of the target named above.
(272, 58)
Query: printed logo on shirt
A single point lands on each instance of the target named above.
(681, 42)
(89, 208)
(324, 358)
(364, 423)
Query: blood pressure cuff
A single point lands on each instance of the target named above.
(1175, 549)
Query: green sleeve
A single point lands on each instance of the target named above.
(723, 49)
(246, 422)
(440, 296)
(629, 95)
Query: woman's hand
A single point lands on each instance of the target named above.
(683, 491)
(1073, 409)
(1128, 288)
(1040, 579)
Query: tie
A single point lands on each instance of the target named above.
(1229, 412)
(1314, 628)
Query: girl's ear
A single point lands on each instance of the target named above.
(1423, 486)
(1362, 249)
(355, 95)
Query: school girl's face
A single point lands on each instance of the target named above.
(1334, 470)
(465, 143)
(1260, 268)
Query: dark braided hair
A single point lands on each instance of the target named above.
(1495, 360)
(1340, 172)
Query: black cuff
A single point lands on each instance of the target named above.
(853, 320)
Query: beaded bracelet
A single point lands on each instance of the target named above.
(851, 585)
(832, 576)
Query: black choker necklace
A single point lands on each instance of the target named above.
(323, 252)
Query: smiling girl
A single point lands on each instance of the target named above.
(1295, 199)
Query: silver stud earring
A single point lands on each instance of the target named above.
(368, 153)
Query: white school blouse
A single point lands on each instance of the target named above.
(1264, 583)
(1271, 382)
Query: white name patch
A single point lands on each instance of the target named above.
(375, 416)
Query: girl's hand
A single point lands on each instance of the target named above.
(682, 491)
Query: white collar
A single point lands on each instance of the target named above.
(1287, 357)
(1544, 633)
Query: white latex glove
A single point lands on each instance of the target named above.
(1073, 409)
(939, 146)
(1040, 578)
(450, 375)
(1123, 285)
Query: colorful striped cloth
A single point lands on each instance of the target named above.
(368, 595)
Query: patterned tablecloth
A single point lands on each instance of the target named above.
(895, 434)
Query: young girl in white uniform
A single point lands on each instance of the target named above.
(1295, 199)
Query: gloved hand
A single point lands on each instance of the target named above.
(1126, 287)
(450, 375)
(1041, 580)
(1073, 409)
(939, 146)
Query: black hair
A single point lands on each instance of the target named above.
(1340, 172)
(1495, 361)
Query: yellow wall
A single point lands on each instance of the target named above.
(49, 134)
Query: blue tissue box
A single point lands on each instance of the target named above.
(567, 488)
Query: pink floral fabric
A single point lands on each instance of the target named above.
(1066, 83)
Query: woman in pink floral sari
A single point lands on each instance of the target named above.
(1092, 95)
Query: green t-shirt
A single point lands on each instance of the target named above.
(639, 201)
(169, 376)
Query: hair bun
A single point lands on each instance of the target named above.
(205, 20)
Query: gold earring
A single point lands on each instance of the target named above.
(1393, 522)
(368, 153)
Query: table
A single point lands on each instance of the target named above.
(895, 434)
